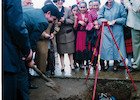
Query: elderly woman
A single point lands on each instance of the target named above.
(65, 37)
(116, 15)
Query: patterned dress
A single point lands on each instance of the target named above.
(81, 52)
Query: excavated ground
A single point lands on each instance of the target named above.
(75, 89)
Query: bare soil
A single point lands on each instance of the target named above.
(75, 89)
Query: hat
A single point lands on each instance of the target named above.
(52, 8)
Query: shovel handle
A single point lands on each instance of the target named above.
(41, 74)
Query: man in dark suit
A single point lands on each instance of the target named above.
(29, 77)
(15, 41)
(36, 21)
(16, 44)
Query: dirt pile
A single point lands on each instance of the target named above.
(119, 90)
(75, 89)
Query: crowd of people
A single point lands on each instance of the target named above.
(79, 29)
(73, 30)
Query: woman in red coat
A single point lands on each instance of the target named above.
(82, 19)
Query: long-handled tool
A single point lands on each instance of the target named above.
(93, 54)
(121, 56)
(101, 32)
(95, 83)
(50, 83)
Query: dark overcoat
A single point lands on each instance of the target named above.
(36, 23)
(15, 40)
(15, 34)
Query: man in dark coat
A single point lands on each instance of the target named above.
(36, 21)
(15, 41)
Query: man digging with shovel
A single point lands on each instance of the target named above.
(36, 21)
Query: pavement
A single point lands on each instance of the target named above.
(121, 74)
(72, 81)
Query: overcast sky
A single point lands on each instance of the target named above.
(40, 3)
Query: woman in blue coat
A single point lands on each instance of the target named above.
(115, 14)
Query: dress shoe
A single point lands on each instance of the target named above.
(72, 68)
(62, 70)
(95, 67)
(106, 67)
(33, 87)
(82, 67)
(75, 66)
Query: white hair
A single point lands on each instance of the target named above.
(22, 0)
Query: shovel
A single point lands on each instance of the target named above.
(50, 83)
